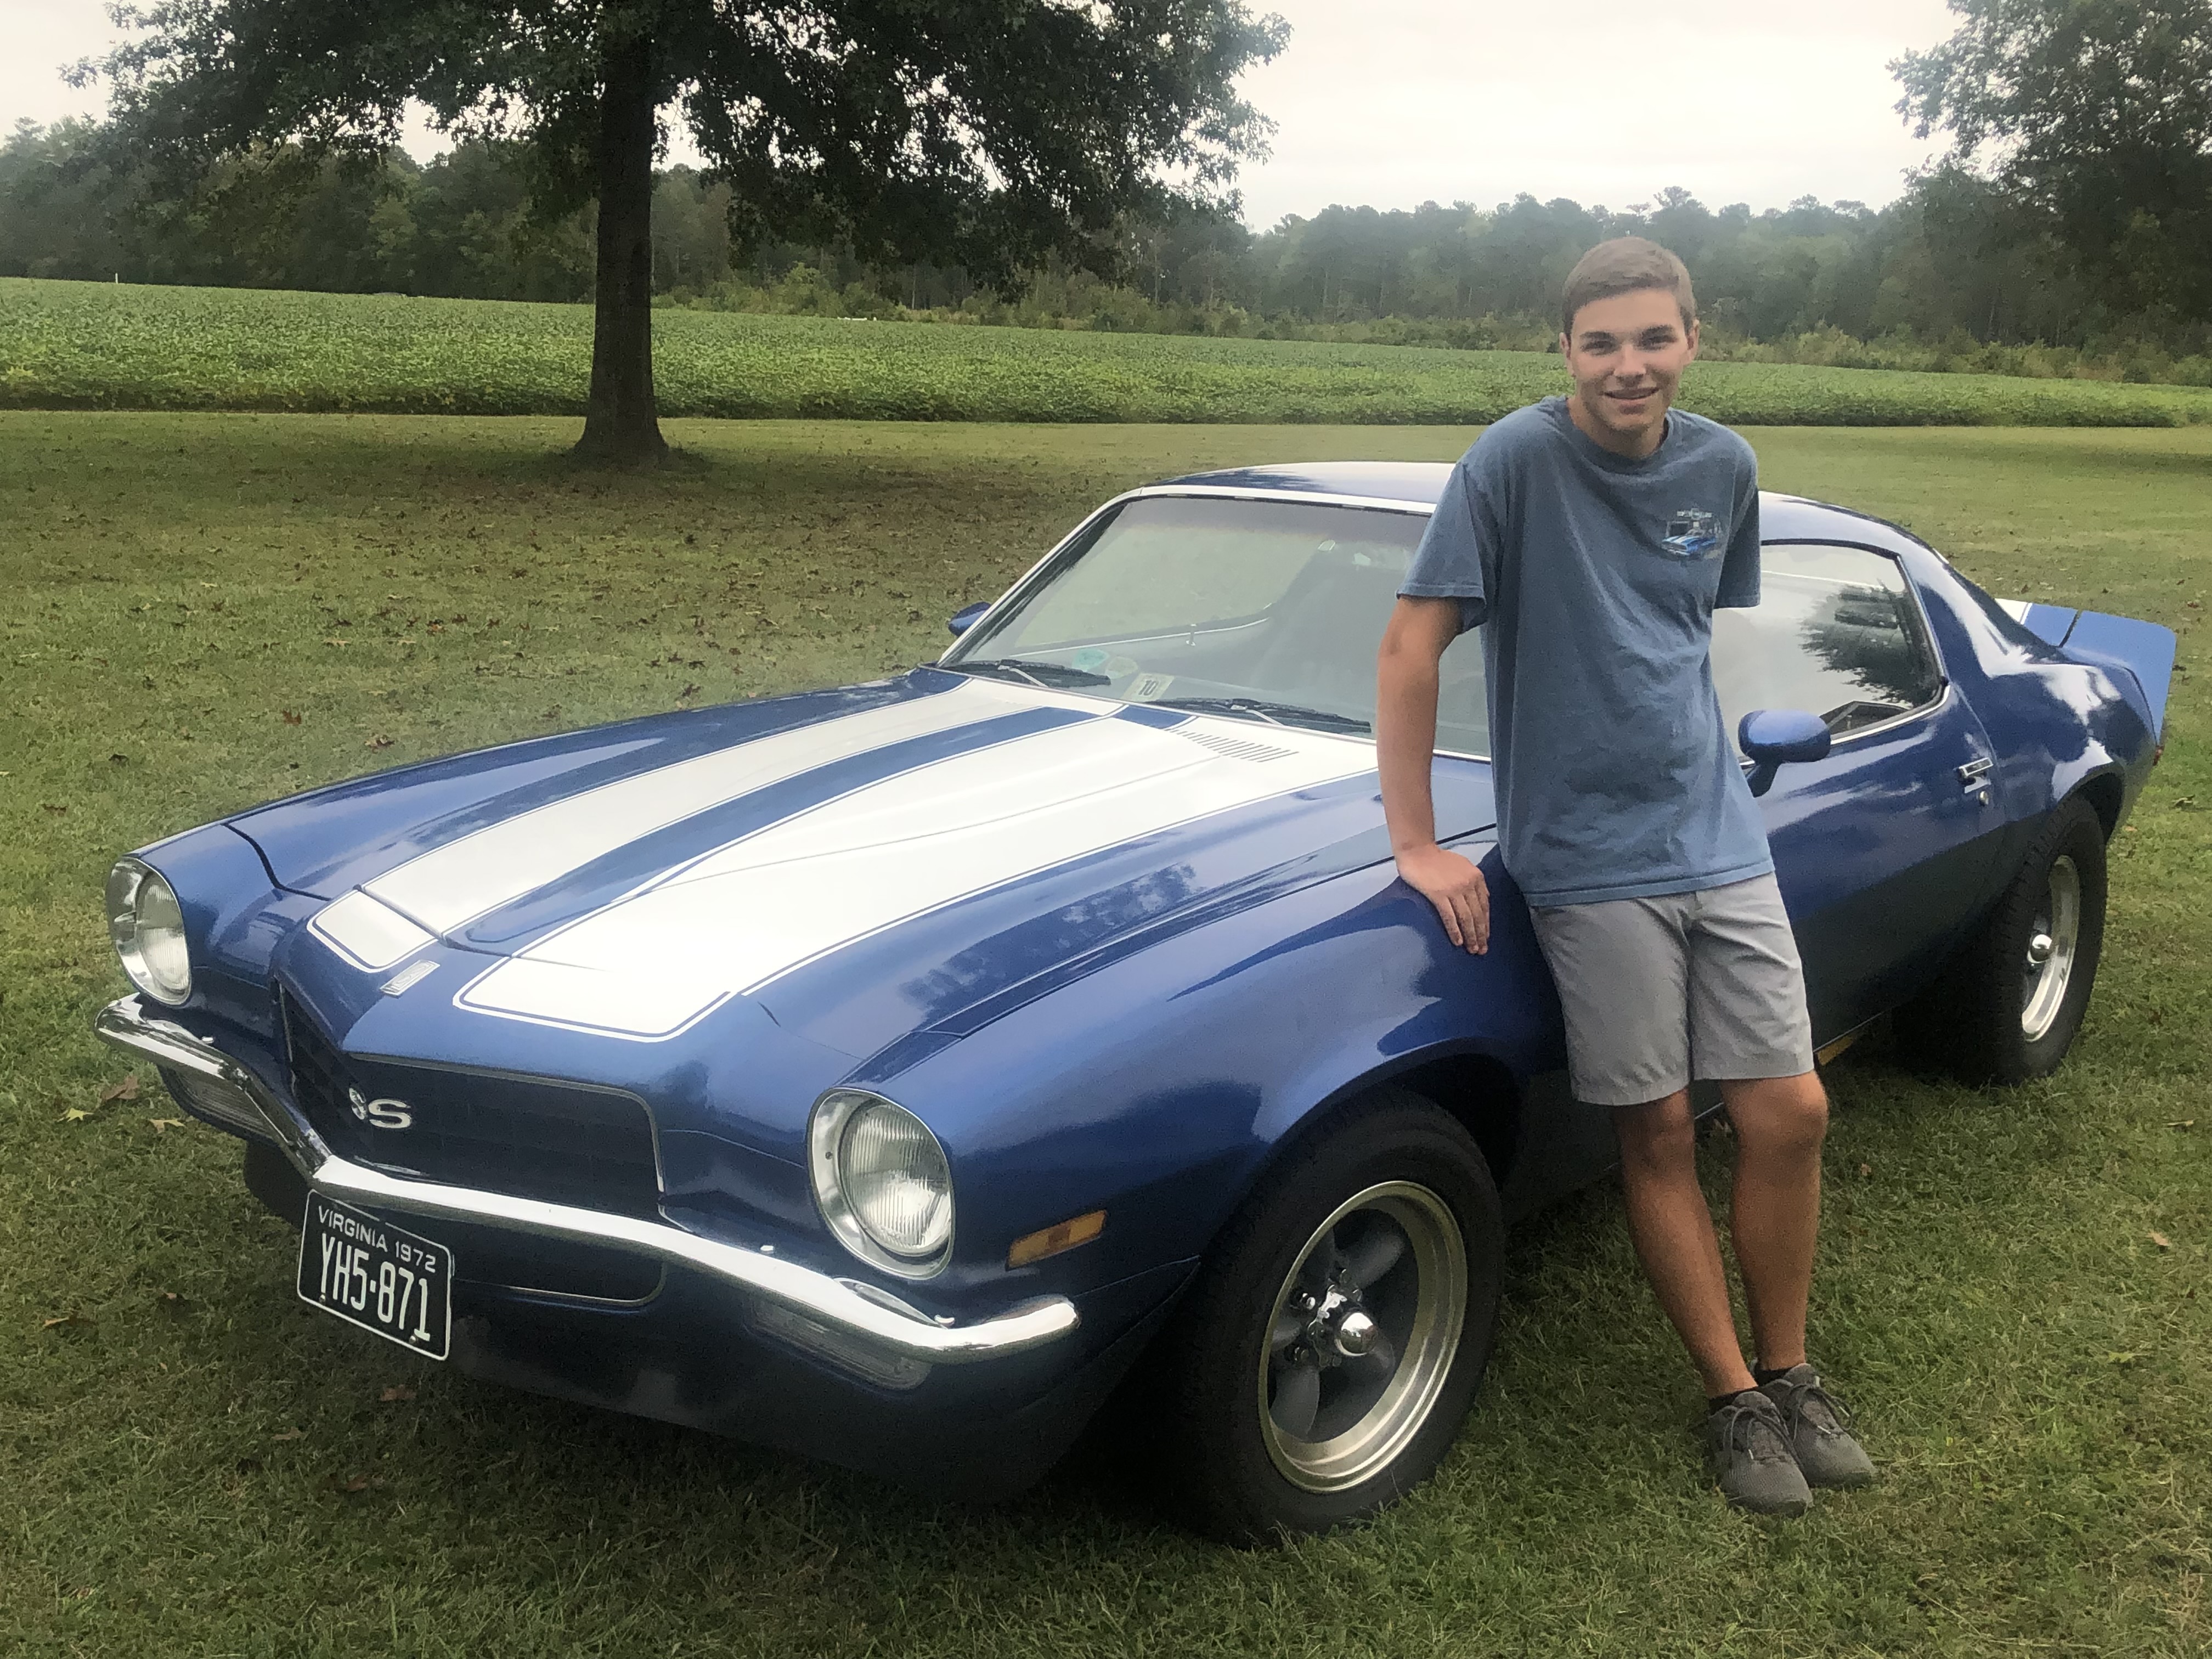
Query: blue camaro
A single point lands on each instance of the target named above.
(889, 1071)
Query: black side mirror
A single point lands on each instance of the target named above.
(967, 617)
(1771, 736)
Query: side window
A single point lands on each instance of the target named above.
(1836, 633)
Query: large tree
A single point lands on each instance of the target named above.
(991, 133)
(2094, 118)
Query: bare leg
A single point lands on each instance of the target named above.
(1775, 1213)
(1673, 1232)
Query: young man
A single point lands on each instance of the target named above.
(1590, 537)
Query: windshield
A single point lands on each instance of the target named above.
(1266, 611)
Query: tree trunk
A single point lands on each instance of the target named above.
(619, 422)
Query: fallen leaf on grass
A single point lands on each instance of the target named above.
(379, 741)
(163, 1125)
(354, 1482)
(1866, 1169)
(127, 1090)
(170, 1301)
(337, 642)
(2161, 1240)
(52, 808)
(288, 717)
(2128, 1358)
(61, 1322)
(2182, 1123)
(75, 1114)
(688, 691)
(398, 1394)
(2185, 804)
(290, 1434)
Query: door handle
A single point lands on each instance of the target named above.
(1974, 778)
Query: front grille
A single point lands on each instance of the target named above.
(522, 1136)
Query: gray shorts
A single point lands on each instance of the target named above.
(1658, 990)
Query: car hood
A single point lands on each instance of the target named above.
(860, 865)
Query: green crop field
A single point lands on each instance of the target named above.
(83, 345)
(204, 611)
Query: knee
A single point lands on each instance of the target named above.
(1660, 1137)
(1784, 1114)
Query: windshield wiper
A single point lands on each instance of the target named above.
(1048, 674)
(1260, 708)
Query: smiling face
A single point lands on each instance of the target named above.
(1626, 353)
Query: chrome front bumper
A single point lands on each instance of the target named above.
(847, 1307)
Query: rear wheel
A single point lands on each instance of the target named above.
(1322, 1365)
(2008, 1007)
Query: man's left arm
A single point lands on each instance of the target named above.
(1739, 587)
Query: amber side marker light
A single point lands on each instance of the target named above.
(1051, 1241)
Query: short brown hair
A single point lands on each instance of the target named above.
(1624, 265)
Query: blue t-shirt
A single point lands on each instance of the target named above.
(1594, 579)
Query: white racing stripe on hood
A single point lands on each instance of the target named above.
(651, 964)
(442, 888)
(369, 935)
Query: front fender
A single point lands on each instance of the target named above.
(1158, 1087)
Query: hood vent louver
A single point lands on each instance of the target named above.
(1244, 749)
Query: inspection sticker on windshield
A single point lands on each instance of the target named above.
(377, 1276)
(1145, 687)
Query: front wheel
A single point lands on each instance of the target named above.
(2006, 1008)
(1321, 1366)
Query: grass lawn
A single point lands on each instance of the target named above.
(99, 345)
(202, 611)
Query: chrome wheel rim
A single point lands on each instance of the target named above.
(1361, 1336)
(2053, 938)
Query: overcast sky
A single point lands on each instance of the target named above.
(1393, 102)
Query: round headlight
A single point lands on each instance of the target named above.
(882, 1181)
(148, 926)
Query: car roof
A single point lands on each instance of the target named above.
(1783, 518)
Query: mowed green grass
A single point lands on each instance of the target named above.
(90, 345)
(225, 1473)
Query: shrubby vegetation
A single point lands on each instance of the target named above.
(97, 345)
(1944, 280)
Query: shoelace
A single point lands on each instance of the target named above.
(1747, 1429)
(1816, 1405)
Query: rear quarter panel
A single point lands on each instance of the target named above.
(2058, 725)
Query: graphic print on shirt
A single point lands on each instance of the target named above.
(1693, 533)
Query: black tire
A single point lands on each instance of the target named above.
(1226, 1383)
(1997, 1014)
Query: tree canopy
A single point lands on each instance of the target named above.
(993, 133)
(2094, 118)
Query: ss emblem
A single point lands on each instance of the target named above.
(381, 1114)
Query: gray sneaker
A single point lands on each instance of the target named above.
(1748, 1446)
(1820, 1430)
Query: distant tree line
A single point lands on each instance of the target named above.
(1952, 275)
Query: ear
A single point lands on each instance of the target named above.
(1693, 342)
(1566, 346)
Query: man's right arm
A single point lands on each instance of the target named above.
(1404, 744)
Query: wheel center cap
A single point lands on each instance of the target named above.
(2039, 949)
(1355, 1333)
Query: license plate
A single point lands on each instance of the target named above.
(377, 1276)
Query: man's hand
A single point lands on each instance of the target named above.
(1456, 887)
